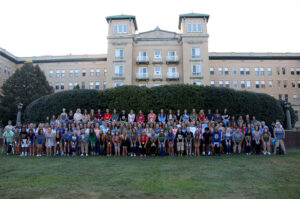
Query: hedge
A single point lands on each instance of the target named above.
(178, 96)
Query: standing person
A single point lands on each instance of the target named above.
(58, 142)
(101, 141)
(117, 143)
(49, 142)
(124, 143)
(8, 139)
(133, 142)
(206, 142)
(248, 140)
(152, 143)
(170, 139)
(65, 143)
(151, 117)
(162, 116)
(31, 142)
(266, 139)
(216, 141)
(93, 140)
(16, 142)
(74, 142)
(84, 142)
(188, 142)
(24, 141)
(143, 139)
(140, 118)
(279, 135)
(109, 142)
(237, 138)
(197, 140)
(257, 139)
(107, 116)
(131, 116)
(40, 140)
(180, 142)
(161, 142)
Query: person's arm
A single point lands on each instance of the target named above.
(274, 133)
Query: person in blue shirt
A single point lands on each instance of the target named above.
(183, 128)
(185, 115)
(162, 116)
(209, 115)
(170, 139)
(216, 141)
(279, 135)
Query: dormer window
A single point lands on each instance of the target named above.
(194, 27)
(120, 28)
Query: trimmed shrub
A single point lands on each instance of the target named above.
(178, 96)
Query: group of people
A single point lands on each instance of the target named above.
(171, 133)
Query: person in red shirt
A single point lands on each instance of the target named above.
(201, 115)
(107, 116)
(151, 116)
(140, 117)
(143, 139)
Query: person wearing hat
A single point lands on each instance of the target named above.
(279, 135)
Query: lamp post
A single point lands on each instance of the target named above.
(287, 106)
(20, 106)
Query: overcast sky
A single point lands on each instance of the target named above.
(60, 27)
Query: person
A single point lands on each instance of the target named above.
(123, 117)
(152, 143)
(124, 143)
(185, 116)
(49, 142)
(180, 142)
(216, 141)
(70, 117)
(31, 142)
(109, 142)
(257, 139)
(140, 118)
(266, 139)
(74, 142)
(206, 141)
(143, 139)
(65, 143)
(107, 116)
(58, 142)
(101, 141)
(188, 142)
(178, 115)
(117, 143)
(98, 117)
(201, 115)
(162, 116)
(279, 135)
(85, 116)
(63, 116)
(197, 140)
(115, 116)
(170, 139)
(171, 116)
(161, 142)
(92, 116)
(193, 116)
(93, 140)
(133, 142)
(131, 116)
(84, 142)
(8, 139)
(248, 140)
(24, 141)
(151, 117)
(16, 141)
(237, 138)
(225, 117)
(78, 116)
(40, 140)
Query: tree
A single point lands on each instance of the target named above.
(27, 84)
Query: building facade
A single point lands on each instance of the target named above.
(159, 57)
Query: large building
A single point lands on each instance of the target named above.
(159, 57)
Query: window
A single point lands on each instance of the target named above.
(248, 84)
(70, 85)
(91, 85)
(295, 98)
(292, 71)
(83, 84)
(247, 71)
(172, 53)
(269, 71)
(62, 85)
(212, 83)
(262, 84)
(220, 71)
(298, 71)
(56, 86)
(105, 72)
(296, 115)
(197, 83)
(278, 83)
(196, 69)
(278, 71)
(157, 54)
(242, 84)
(157, 84)
(75, 84)
(212, 71)
(71, 72)
(57, 73)
(50, 73)
(283, 70)
(195, 52)
(286, 97)
(83, 72)
(235, 84)
(92, 72)
(120, 28)
(143, 84)
(172, 69)
(256, 84)
(104, 85)
(227, 85)
(221, 83)
(242, 71)
(285, 83)
(226, 71)
(63, 73)
(157, 70)
(234, 70)
(271, 84)
(97, 72)
(76, 73)
(293, 84)
(194, 27)
(280, 96)
(256, 71)
(298, 84)
(117, 84)
(97, 85)
(262, 71)
(142, 54)
(143, 71)
(119, 70)
(119, 53)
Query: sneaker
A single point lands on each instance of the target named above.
(265, 153)
(131, 154)
(134, 155)
(269, 153)
(141, 155)
(203, 153)
(145, 155)
(25, 153)
(86, 155)
(209, 153)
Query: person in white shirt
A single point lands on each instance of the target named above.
(78, 116)
(131, 116)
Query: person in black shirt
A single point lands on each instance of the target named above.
(123, 116)
(206, 141)
(178, 115)
(180, 142)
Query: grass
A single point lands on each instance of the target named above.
(154, 177)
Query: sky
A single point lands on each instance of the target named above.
(61, 27)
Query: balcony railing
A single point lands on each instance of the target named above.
(196, 75)
(119, 76)
(142, 76)
(172, 75)
(172, 59)
(157, 60)
(142, 59)
(157, 77)
(119, 58)
(196, 57)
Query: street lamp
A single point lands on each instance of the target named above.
(287, 106)
(20, 106)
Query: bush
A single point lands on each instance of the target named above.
(178, 96)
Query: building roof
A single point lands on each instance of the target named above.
(192, 15)
(116, 17)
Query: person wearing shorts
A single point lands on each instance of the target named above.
(216, 141)
(65, 143)
(143, 139)
(24, 142)
(248, 140)
(31, 142)
(206, 142)
(161, 142)
(188, 142)
(8, 140)
(49, 142)
(170, 139)
(228, 140)
(84, 143)
(40, 141)
(124, 143)
(180, 142)
(58, 142)
(117, 143)
(266, 139)
(197, 141)
(74, 142)
(109, 143)
(237, 138)
(92, 140)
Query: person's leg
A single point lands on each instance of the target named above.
(240, 148)
(268, 147)
(265, 147)
(282, 146)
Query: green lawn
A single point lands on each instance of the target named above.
(154, 177)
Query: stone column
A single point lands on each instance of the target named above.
(287, 105)
(20, 106)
